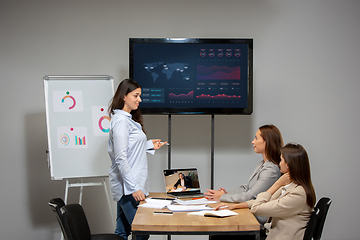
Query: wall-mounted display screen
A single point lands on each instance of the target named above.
(193, 76)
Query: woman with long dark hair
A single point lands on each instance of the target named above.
(127, 149)
(290, 200)
(267, 142)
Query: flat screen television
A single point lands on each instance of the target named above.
(193, 75)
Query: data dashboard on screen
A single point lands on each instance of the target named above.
(193, 76)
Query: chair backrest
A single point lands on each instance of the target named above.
(75, 216)
(311, 226)
(56, 204)
(323, 205)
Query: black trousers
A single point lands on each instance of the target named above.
(238, 237)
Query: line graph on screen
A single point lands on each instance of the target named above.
(218, 73)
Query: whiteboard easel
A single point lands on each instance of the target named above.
(77, 125)
(76, 118)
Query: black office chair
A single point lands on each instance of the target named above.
(311, 226)
(317, 219)
(75, 217)
(56, 204)
(323, 205)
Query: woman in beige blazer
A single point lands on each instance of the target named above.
(290, 200)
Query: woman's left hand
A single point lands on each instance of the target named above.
(221, 206)
(284, 179)
(213, 195)
(157, 143)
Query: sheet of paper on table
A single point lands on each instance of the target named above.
(194, 201)
(156, 203)
(219, 213)
(187, 208)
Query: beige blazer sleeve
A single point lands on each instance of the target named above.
(292, 202)
(290, 212)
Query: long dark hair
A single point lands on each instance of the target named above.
(297, 160)
(117, 102)
(274, 142)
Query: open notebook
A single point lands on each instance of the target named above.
(182, 182)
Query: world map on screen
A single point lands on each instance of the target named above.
(156, 69)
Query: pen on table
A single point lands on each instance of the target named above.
(160, 198)
(161, 212)
(223, 207)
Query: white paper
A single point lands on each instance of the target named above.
(219, 213)
(156, 203)
(187, 208)
(194, 202)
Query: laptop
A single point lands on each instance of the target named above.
(182, 182)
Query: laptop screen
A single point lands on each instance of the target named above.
(181, 180)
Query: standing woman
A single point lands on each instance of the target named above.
(127, 148)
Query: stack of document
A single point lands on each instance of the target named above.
(193, 202)
(157, 203)
(177, 205)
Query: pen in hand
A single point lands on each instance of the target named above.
(221, 206)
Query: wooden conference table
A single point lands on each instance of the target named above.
(179, 223)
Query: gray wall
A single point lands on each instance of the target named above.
(306, 81)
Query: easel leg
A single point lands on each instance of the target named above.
(81, 191)
(65, 200)
(109, 202)
(66, 191)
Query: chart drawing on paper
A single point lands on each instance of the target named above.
(65, 139)
(101, 121)
(72, 137)
(68, 101)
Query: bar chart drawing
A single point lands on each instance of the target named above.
(72, 137)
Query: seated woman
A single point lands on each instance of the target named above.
(183, 181)
(267, 142)
(290, 200)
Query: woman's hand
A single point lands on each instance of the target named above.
(139, 196)
(232, 206)
(157, 143)
(221, 206)
(282, 181)
(214, 195)
(223, 189)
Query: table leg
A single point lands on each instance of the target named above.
(257, 236)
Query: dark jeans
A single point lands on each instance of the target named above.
(126, 210)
